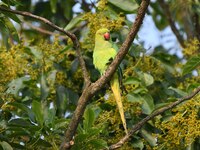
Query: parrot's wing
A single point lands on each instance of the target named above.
(114, 45)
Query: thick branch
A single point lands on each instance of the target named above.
(70, 35)
(94, 87)
(139, 125)
(167, 13)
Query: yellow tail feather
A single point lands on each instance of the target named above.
(116, 91)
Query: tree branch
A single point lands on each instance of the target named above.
(139, 125)
(70, 35)
(43, 31)
(167, 12)
(94, 87)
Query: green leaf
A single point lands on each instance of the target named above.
(74, 65)
(98, 144)
(12, 16)
(127, 5)
(141, 90)
(148, 79)
(80, 130)
(20, 122)
(44, 87)
(62, 99)
(180, 92)
(11, 28)
(5, 37)
(49, 116)
(6, 146)
(89, 118)
(60, 123)
(35, 52)
(148, 104)
(38, 111)
(17, 84)
(93, 131)
(132, 80)
(111, 13)
(136, 50)
(76, 20)
(3, 123)
(146, 101)
(66, 99)
(81, 137)
(138, 144)
(18, 146)
(51, 77)
(158, 16)
(148, 137)
(53, 4)
(17, 132)
(135, 98)
(24, 108)
(11, 2)
(67, 7)
(191, 64)
(43, 143)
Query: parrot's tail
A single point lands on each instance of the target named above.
(116, 91)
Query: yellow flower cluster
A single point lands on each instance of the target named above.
(181, 5)
(189, 82)
(21, 60)
(146, 64)
(192, 48)
(102, 4)
(55, 53)
(183, 128)
(13, 63)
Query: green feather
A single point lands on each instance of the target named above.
(104, 51)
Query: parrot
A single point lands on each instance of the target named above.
(104, 52)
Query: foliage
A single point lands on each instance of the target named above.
(41, 80)
(180, 129)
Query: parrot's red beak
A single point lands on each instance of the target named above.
(106, 36)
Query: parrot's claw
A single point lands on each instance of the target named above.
(109, 61)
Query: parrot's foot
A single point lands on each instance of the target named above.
(109, 61)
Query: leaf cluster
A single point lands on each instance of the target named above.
(41, 80)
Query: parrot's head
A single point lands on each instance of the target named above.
(103, 33)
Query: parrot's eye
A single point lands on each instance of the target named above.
(106, 36)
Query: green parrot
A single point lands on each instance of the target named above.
(104, 52)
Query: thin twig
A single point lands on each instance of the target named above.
(43, 30)
(139, 125)
(70, 35)
(169, 17)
